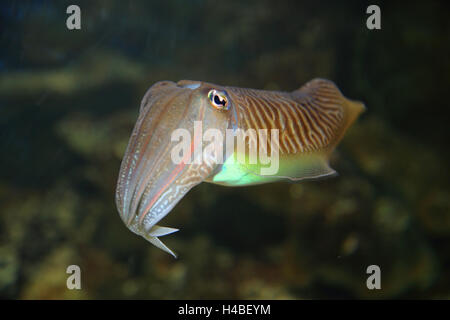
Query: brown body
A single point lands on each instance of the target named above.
(311, 121)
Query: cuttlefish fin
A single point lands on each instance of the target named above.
(325, 92)
(312, 167)
(294, 168)
(299, 168)
(158, 231)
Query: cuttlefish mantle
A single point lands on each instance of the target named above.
(307, 124)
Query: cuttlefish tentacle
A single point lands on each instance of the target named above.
(310, 122)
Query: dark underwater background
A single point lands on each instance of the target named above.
(69, 100)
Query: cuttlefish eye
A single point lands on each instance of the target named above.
(218, 99)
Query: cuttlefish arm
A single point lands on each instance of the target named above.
(150, 183)
(311, 121)
(158, 231)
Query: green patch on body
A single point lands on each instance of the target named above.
(294, 168)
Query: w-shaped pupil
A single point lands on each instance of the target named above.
(217, 100)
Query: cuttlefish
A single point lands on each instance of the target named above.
(309, 122)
